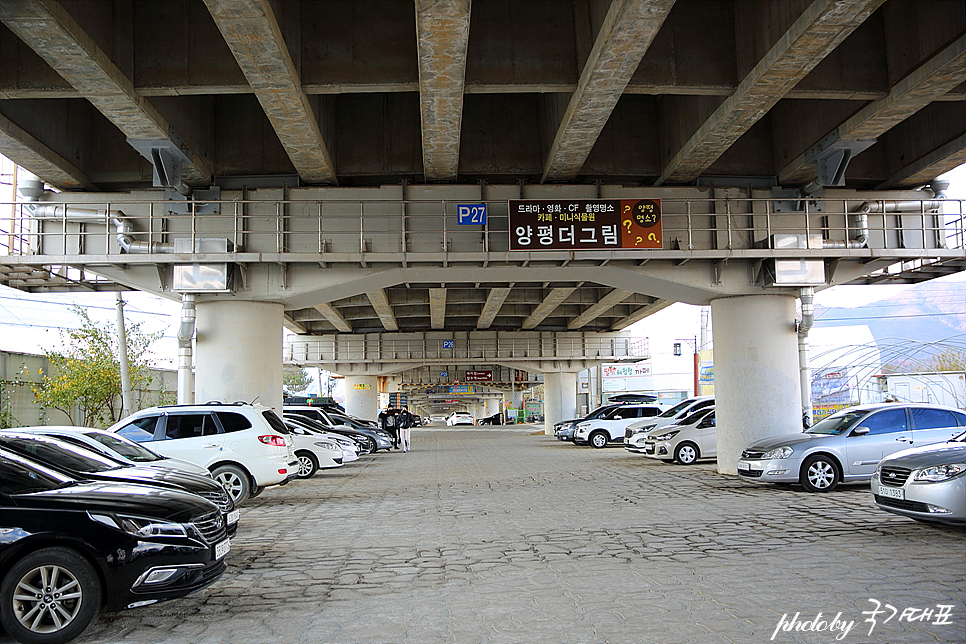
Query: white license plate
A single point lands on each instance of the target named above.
(221, 549)
(743, 466)
(892, 492)
(233, 517)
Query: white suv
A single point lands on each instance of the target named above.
(670, 417)
(610, 427)
(245, 447)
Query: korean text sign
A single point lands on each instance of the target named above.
(585, 224)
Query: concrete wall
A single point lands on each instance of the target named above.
(20, 371)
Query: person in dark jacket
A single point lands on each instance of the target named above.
(404, 423)
(388, 422)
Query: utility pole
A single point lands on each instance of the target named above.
(126, 397)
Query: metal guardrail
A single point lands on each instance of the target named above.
(353, 228)
(353, 349)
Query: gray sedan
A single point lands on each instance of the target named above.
(847, 446)
(925, 483)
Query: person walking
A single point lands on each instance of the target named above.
(404, 423)
(388, 423)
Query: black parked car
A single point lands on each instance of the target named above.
(80, 463)
(70, 548)
(493, 419)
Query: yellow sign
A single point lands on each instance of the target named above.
(361, 385)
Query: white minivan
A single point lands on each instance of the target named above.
(246, 448)
(680, 411)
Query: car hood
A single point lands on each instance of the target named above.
(772, 442)
(927, 456)
(104, 496)
(159, 476)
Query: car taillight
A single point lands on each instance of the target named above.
(270, 439)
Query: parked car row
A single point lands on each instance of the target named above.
(914, 454)
(145, 511)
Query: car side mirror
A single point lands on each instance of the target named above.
(860, 431)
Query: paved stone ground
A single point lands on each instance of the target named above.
(496, 536)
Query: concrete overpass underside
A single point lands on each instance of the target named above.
(304, 163)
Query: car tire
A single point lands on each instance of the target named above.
(308, 464)
(80, 605)
(598, 439)
(820, 474)
(235, 481)
(686, 453)
(256, 491)
(371, 445)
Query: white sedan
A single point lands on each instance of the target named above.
(460, 418)
(115, 446)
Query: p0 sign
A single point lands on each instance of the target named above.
(471, 214)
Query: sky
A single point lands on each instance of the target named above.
(31, 323)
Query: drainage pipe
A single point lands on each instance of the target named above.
(808, 319)
(861, 238)
(77, 214)
(185, 333)
(127, 397)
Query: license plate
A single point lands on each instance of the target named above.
(743, 466)
(233, 517)
(221, 549)
(892, 492)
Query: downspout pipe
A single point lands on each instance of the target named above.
(185, 333)
(807, 297)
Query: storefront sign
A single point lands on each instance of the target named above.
(585, 224)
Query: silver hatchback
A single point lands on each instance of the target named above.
(847, 446)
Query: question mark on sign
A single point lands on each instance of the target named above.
(627, 208)
(651, 237)
(628, 223)
(639, 240)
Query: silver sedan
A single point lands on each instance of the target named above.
(925, 483)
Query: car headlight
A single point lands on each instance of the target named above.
(668, 436)
(327, 445)
(939, 473)
(142, 526)
(779, 452)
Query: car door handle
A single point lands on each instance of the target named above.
(903, 439)
(211, 446)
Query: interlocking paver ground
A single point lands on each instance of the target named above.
(497, 536)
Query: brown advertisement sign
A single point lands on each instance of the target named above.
(479, 376)
(585, 224)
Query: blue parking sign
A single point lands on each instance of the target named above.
(449, 344)
(471, 214)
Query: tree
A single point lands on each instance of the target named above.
(949, 359)
(295, 380)
(86, 373)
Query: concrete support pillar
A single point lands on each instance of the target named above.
(560, 398)
(362, 396)
(239, 352)
(756, 384)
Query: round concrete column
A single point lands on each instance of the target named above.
(362, 396)
(239, 352)
(560, 398)
(756, 385)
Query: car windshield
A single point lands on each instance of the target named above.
(58, 454)
(17, 477)
(836, 424)
(678, 408)
(126, 448)
(694, 417)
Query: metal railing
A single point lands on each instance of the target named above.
(353, 349)
(334, 228)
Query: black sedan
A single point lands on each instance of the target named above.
(70, 548)
(80, 463)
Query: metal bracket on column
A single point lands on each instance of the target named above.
(832, 155)
(716, 268)
(167, 157)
